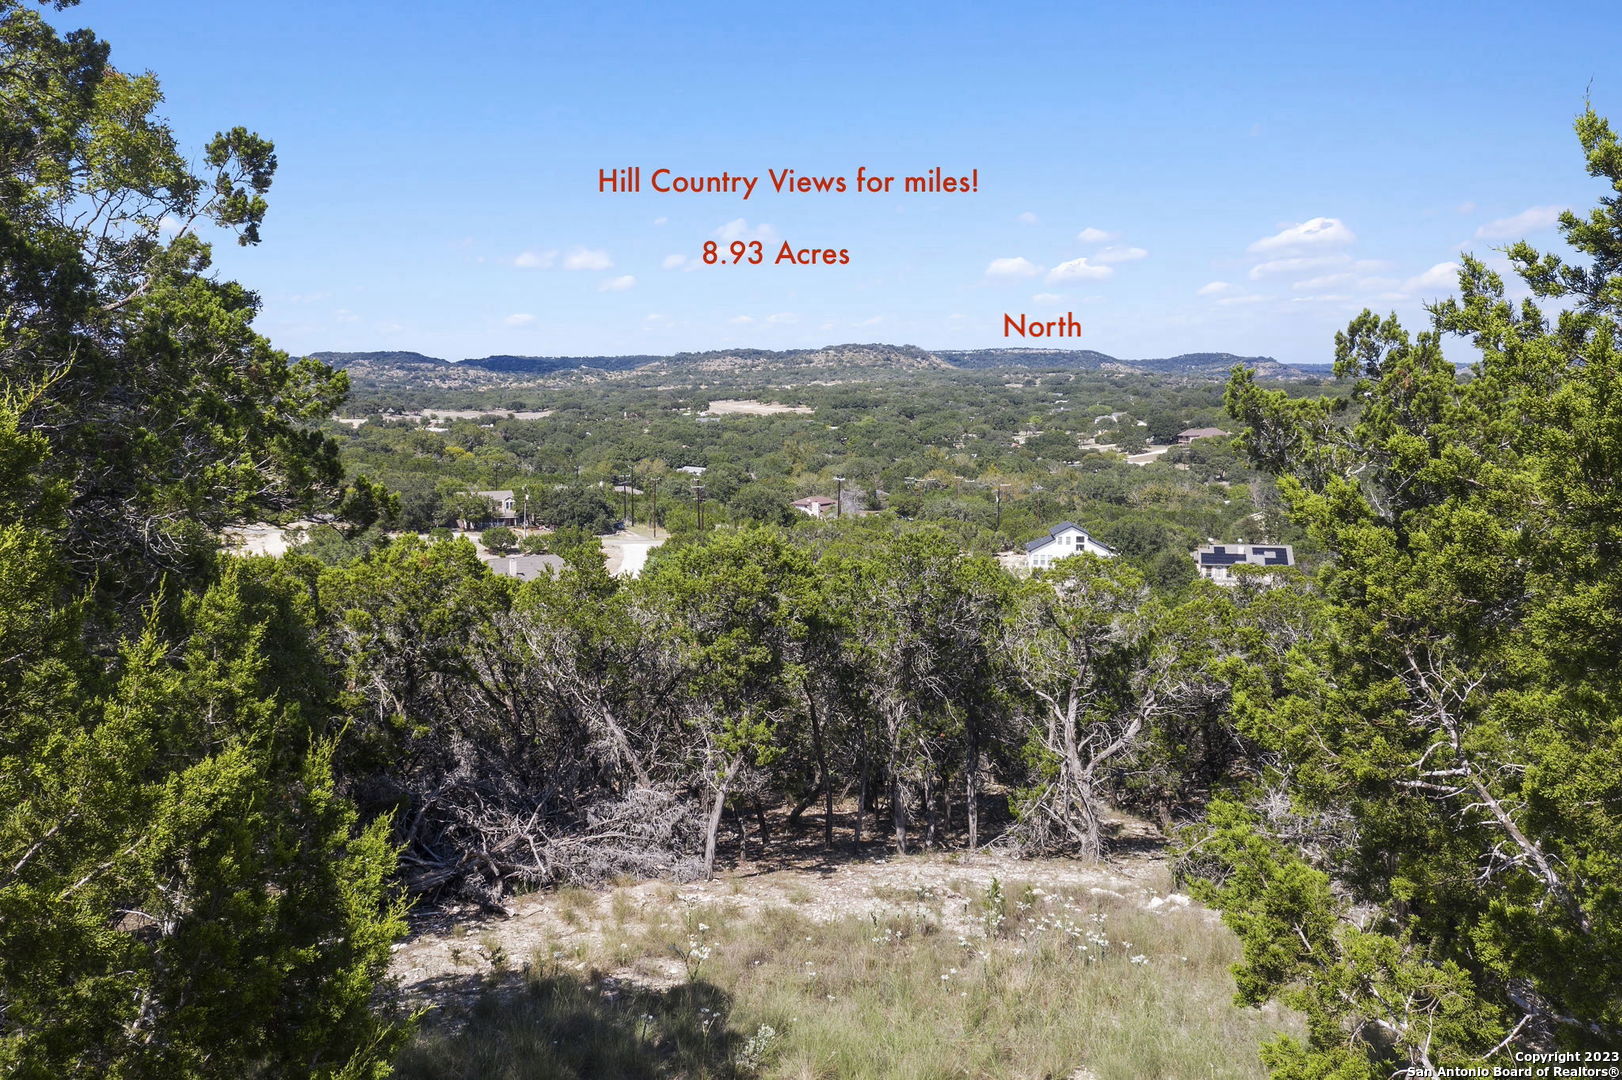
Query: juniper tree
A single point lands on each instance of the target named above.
(183, 892)
(1441, 883)
(168, 416)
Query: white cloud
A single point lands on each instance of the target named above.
(739, 229)
(740, 320)
(1532, 219)
(1078, 270)
(519, 319)
(345, 315)
(618, 284)
(1027, 218)
(1466, 207)
(783, 318)
(1121, 254)
(1248, 298)
(587, 259)
(1324, 282)
(875, 320)
(1212, 288)
(535, 260)
(1090, 235)
(1320, 232)
(673, 262)
(1443, 277)
(1296, 265)
(1046, 298)
(661, 220)
(1325, 298)
(1012, 268)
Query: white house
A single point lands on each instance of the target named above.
(505, 508)
(817, 506)
(1061, 542)
(1216, 561)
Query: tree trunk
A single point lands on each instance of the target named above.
(822, 767)
(861, 800)
(971, 790)
(898, 805)
(931, 818)
(898, 812)
(805, 801)
(715, 819)
(760, 823)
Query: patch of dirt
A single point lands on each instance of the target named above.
(735, 407)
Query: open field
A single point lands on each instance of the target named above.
(942, 965)
(731, 407)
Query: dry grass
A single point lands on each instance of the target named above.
(1032, 983)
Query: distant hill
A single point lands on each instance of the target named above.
(545, 365)
(350, 359)
(505, 370)
(1086, 359)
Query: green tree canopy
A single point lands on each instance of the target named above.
(183, 891)
(1446, 884)
(168, 416)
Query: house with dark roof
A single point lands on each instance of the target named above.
(1216, 562)
(1062, 541)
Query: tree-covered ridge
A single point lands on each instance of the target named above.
(400, 370)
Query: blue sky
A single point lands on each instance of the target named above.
(1183, 176)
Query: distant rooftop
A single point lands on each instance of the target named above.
(1058, 531)
(523, 567)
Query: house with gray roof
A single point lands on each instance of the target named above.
(504, 507)
(523, 567)
(1062, 541)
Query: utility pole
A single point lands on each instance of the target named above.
(999, 506)
(698, 494)
(839, 496)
